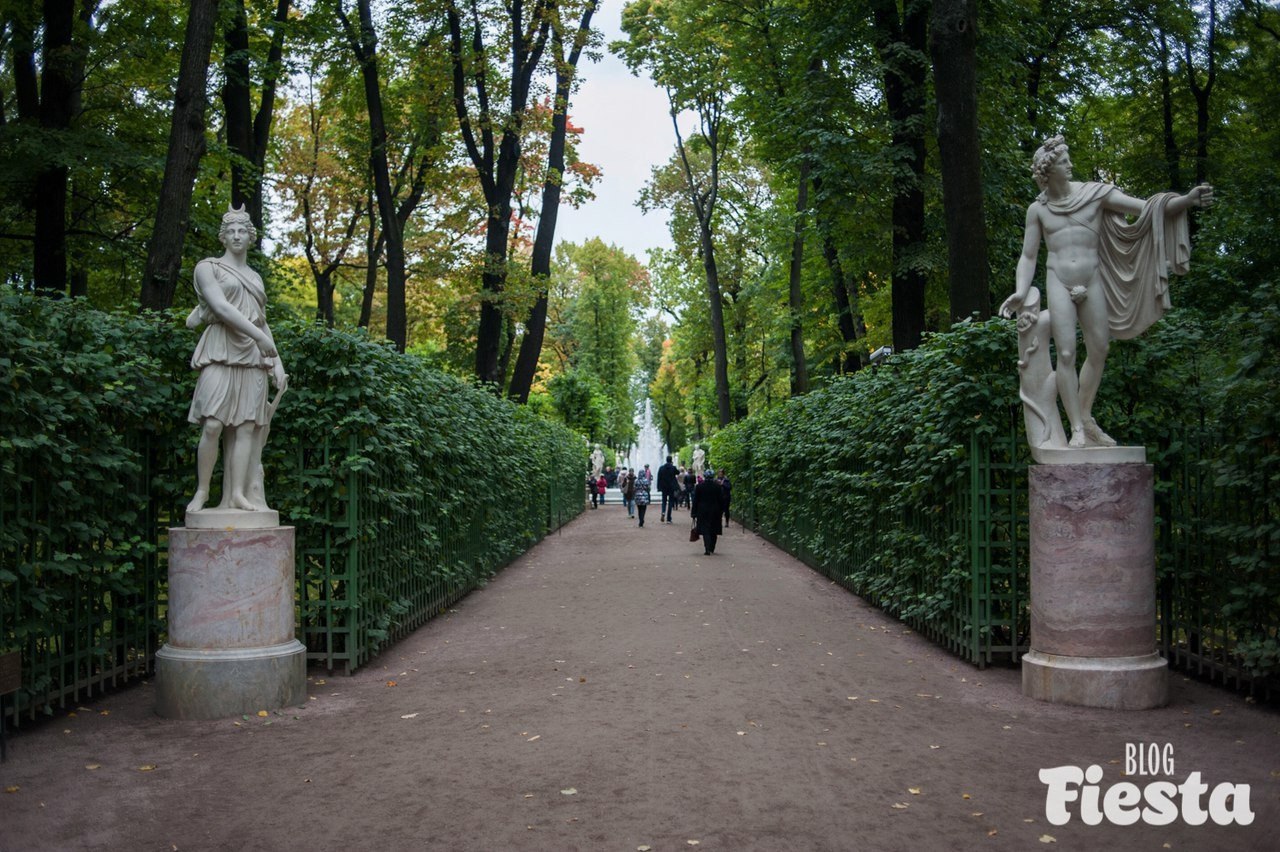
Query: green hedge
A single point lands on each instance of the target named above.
(863, 473)
(97, 460)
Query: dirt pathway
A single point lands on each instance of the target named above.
(614, 689)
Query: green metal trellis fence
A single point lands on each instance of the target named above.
(87, 611)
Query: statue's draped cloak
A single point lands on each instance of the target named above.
(1134, 260)
(232, 387)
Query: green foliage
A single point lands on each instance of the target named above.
(866, 475)
(96, 459)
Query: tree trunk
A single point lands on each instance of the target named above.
(364, 46)
(1172, 159)
(954, 49)
(57, 96)
(795, 299)
(1201, 92)
(235, 106)
(902, 44)
(540, 264)
(497, 179)
(186, 147)
(720, 349)
(247, 134)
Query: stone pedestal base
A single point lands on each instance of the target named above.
(1114, 683)
(231, 647)
(194, 684)
(1093, 620)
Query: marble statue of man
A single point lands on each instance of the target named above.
(1103, 273)
(236, 355)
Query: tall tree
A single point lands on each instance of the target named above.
(540, 263)
(50, 99)
(901, 40)
(186, 147)
(248, 133)
(496, 157)
(670, 40)
(364, 44)
(953, 45)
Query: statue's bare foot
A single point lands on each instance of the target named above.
(239, 501)
(1096, 436)
(198, 501)
(1077, 441)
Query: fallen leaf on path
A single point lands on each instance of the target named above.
(534, 738)
(409, 716)
(13, 789)
(992, 833)
(915, 791)
(108, 712)
(935, 746)
(900, 806)
(392, 683)
(528, 795)
(263, 713)
(694, 842)
(1048, 838)
(645, 848)
(93, 766)
(146, 767)
(965, 796)
(571, 791)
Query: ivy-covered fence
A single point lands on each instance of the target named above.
(907, 485)
(406, 487)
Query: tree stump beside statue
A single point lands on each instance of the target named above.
(232, 647)
(1093, 630)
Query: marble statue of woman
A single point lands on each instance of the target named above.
(236, 356)
(1103, 273)
(699, 460)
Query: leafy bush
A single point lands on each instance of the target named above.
(864, 476)
(97, 459)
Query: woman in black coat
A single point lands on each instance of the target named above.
(708, 509)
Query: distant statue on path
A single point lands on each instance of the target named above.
(1106, 275)
(597, 462)
(235, 356)
(699, 460)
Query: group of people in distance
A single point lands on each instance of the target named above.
(705, 495)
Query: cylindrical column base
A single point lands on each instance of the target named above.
(213, 684)
(1114, 683)
(1093, 624)
(231, 647)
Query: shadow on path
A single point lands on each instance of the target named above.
(614, 689)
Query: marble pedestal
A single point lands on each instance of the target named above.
(1093, 619)
(231, 647)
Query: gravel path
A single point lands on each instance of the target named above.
(614, 689)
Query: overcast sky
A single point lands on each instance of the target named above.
(626, 132)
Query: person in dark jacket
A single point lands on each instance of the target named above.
(707, 510)
(668, 486)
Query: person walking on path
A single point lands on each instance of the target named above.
(602, 485)
(708, 508)
(627, 484)
(591, 489)
(643, 483)
(668, 486)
